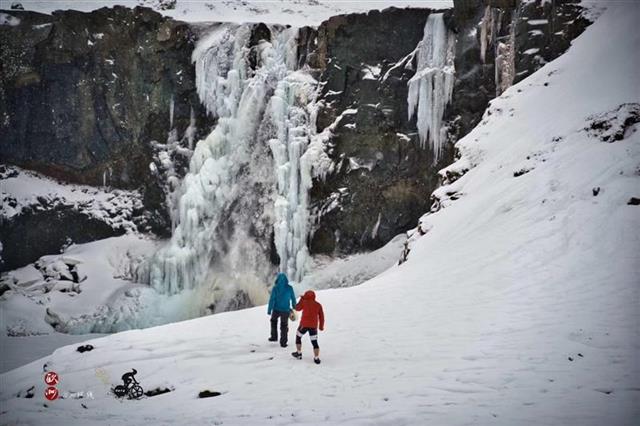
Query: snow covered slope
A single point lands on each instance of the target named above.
(292, 12)
(518, 306)
(85, 289)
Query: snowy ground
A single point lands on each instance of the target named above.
(86, 289)
(291, 12)
(22, 189)
(518, 306)
(328, 272)
(17, 351)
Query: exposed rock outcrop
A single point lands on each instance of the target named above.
(382, 172)
(83, 95)
(383, 176)
(521, 36)
(96, 98)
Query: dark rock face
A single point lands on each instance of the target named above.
(540, 31)
(33, 234)
(83, 95)
(383, 177)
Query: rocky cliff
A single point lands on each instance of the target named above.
(383, 175)
(106, 98)
(84, 96)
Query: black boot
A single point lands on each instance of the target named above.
(316, 360)
(296, 355)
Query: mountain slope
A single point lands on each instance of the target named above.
(518, 306)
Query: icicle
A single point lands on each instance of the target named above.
(505, 67)
(431, 88)
(171, 110)
(486, 32)
(190, 132)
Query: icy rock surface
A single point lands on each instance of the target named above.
(431, 88)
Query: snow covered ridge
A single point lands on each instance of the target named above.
(296, 13)
(22, 190)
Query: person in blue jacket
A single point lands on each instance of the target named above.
(281, 302)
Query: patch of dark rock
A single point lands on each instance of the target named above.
(7, 172)
(157, 391)
(580, 355)
(208, 394)
(595, 191)
(83, 406)
(85, 348)
(612, 126)
(166, 4)
(4, 288)
(634, 201)
(570, 358)
(546, 84)
(35, 233)
(29, 393)
(452, 176)
(521, 172)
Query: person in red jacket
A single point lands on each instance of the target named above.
(312, 315)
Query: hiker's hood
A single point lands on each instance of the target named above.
(281, 280)
(309, 295)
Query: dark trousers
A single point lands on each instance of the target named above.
(284, 326)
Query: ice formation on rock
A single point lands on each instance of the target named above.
(505, 67)
(248, 181)
(504, 47)
(431, 87)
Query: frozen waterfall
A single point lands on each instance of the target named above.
(431, 87)
(248, 181)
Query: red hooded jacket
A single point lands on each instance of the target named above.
(311, 311)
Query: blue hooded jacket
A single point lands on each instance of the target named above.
(282, 297)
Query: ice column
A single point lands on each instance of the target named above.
(431, 87)
(505, 66)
